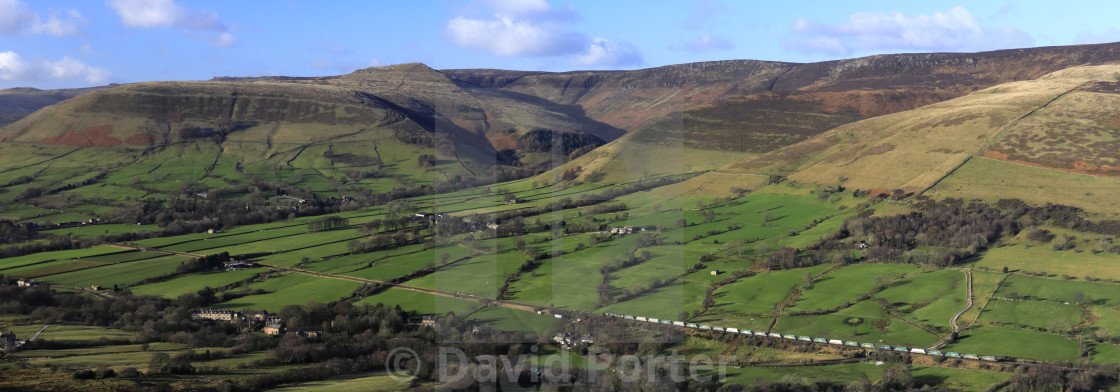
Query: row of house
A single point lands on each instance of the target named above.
(273, 325)
(234, 316)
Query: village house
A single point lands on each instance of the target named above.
(273, 328)
(429, 321)
(259, 315)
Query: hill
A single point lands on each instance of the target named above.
(17, 103)
(753, 107)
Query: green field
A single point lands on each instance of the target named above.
(930, 298)
(422, 303)
(292, 289)
(366, 382)
(761, 293)
(865, 315)
(847, 284)
(1015, 342)
(1059, 290)
(1053, 316)
(514, 320)
(173, 288)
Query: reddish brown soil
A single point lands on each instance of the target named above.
(92, 136)
(140, 139)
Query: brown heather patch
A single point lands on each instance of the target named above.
(92, 136)
(140, 139)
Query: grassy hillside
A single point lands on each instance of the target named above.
(913, 150)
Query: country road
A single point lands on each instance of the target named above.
(37, 333)
(968, 284)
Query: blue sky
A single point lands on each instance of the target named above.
(52, 44)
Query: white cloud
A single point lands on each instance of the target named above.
(602, 52)
(17, 18)
(60, 27)
(504, 36)
(707, 43)
(205, 24)
(952, 30)
(14, 68)
(535, 28)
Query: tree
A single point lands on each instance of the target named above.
(426, 161)
(897, 378)
(709, 299)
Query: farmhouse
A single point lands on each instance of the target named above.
(7, 339)
(25, 283)
(429, 321)
(624, 230)
(237, 265)
(715, 272)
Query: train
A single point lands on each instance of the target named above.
(850, 343)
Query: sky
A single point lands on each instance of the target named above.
(77, 43)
